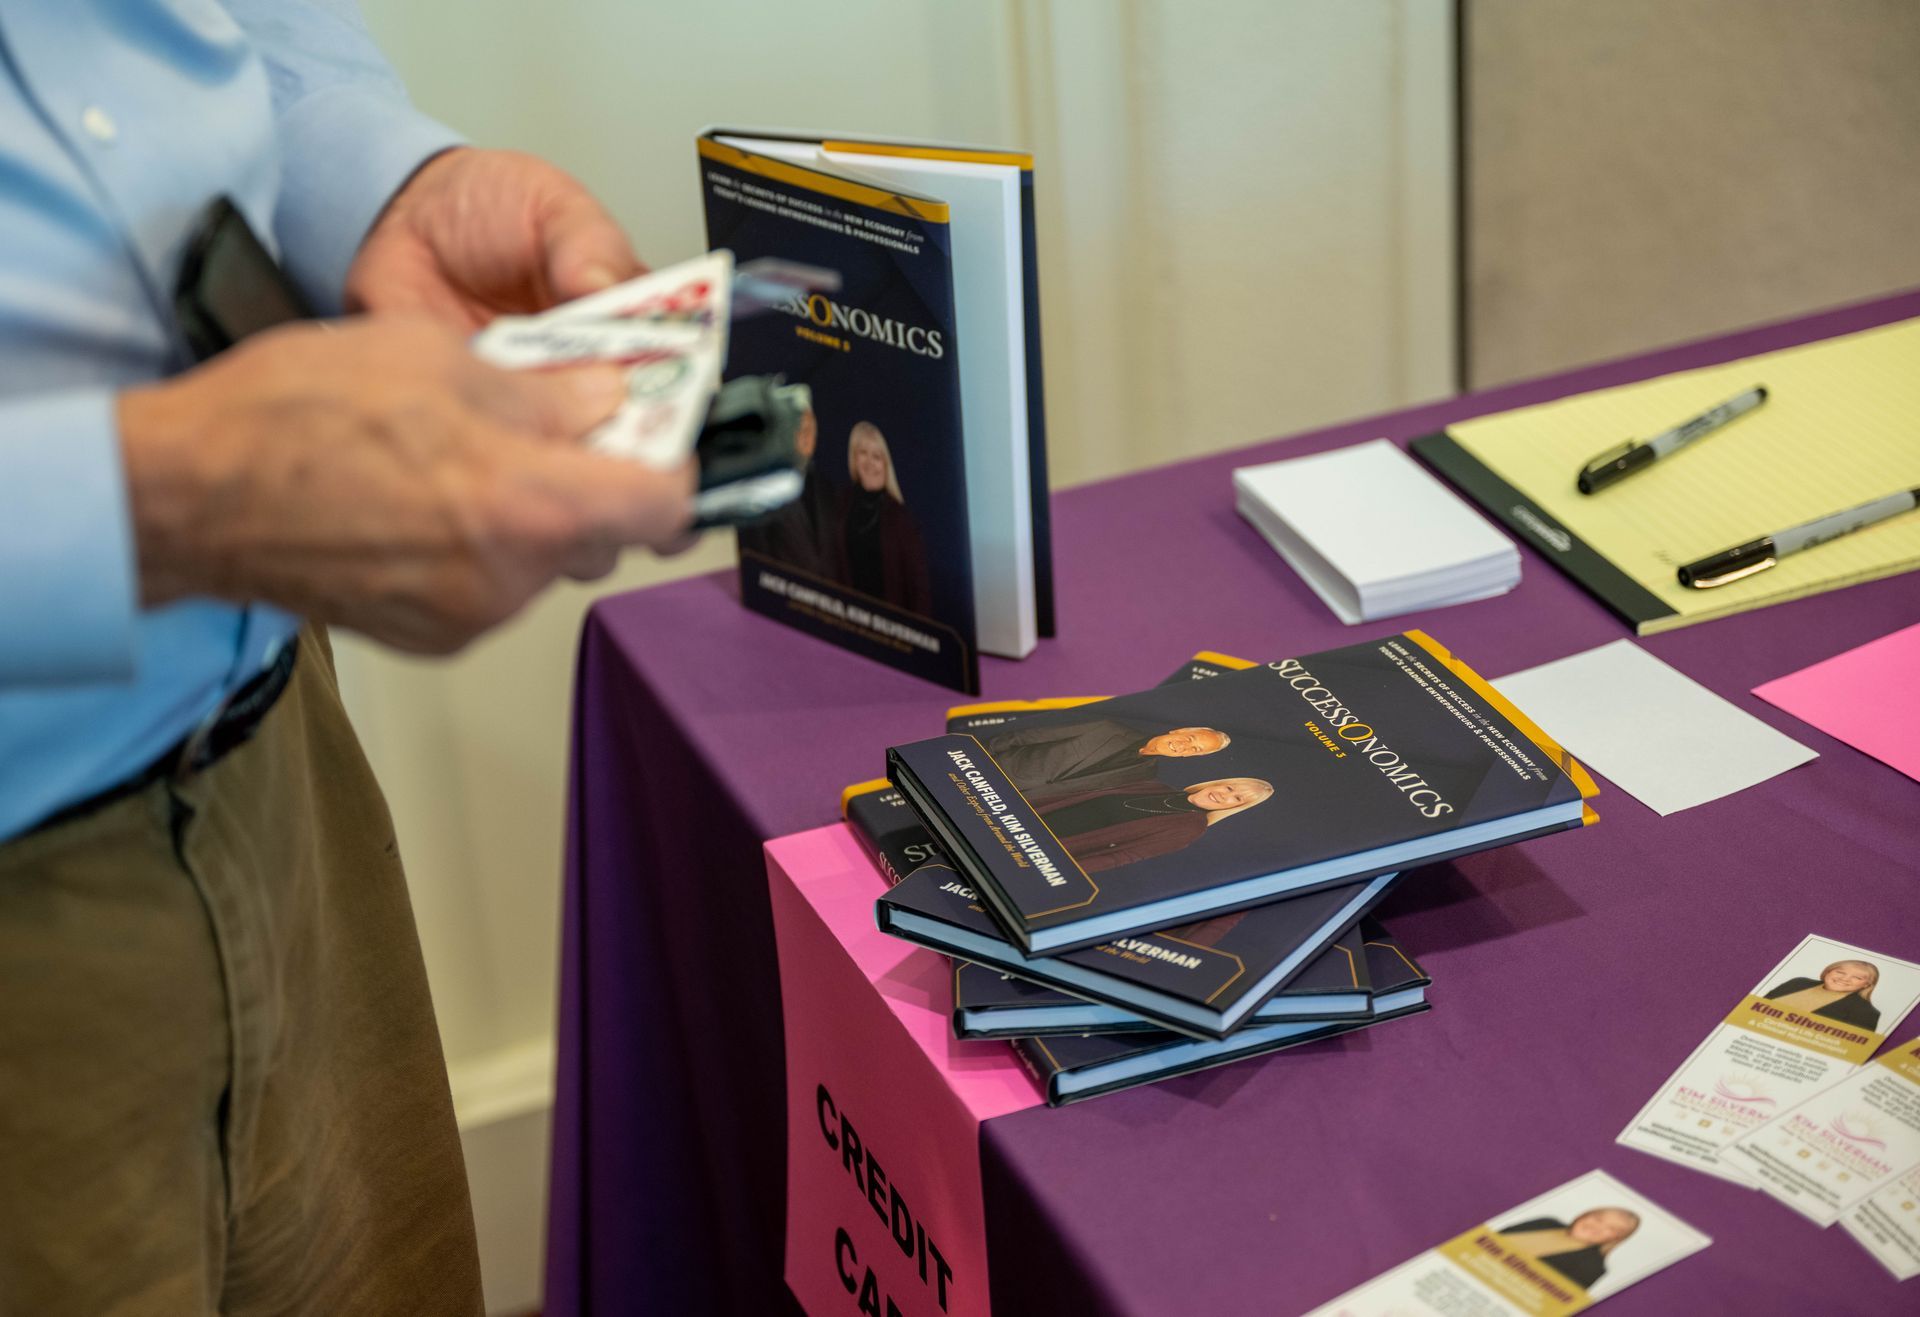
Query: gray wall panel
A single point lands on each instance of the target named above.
(1640, 172)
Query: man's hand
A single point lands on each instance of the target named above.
(375, 474)
(475, 234)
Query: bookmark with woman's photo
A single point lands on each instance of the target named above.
(1556, 1254)
(1809, 1023)
(1831, 1153)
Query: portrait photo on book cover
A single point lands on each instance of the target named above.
(855, 529)
(1227, 773)
(1830, 981)
(1596, 1233)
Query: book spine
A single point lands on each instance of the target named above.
(1036, 415)
(1038, 1062)
(987, 827)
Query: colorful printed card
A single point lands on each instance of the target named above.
(1887, 1225)
(1835, 1150)
(1556, 1254)
(1816, 1017)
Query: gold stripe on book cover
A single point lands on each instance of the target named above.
(1224, 660)
(960, 155)
(934, 212)
(1024, 706)
(1479, 685)
(861, 789)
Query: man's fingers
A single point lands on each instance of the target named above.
(585, 250)
(555, 404)
(590, 562)
(619, 502)
(678, 545)
(393, 287)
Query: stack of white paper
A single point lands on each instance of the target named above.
(1373, 533)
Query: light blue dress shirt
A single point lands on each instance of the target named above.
(119, 121)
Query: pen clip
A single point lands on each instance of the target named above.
(1730, 565)
(1612, 455)
(1614, 464)
(1728, 578)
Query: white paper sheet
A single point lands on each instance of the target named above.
(1658, 735)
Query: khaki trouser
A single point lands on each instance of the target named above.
(221, 1089)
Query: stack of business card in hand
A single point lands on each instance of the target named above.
(1373, 533)
(668, 328)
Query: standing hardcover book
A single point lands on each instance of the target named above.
(921, 536)
(1277, 780)
(990, 1003)
(1073, 1068)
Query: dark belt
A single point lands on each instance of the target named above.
(228, 728)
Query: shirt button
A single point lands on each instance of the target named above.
(99, 124)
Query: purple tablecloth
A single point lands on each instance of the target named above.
(1572, 973)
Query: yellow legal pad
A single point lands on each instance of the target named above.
(1841, 426)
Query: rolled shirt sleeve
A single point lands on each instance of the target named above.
(68, 599)
(348, 136)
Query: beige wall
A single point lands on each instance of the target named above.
(1245, 229)
(1641, 172)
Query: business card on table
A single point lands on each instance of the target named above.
(1808, 1024)
(1559, 1253)
(1838, 1148)
(1887, 1225)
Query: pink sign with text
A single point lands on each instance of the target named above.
(884, 1211)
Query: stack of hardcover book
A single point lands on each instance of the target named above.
(1144, 886)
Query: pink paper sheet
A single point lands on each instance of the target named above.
(1868, 697)
(870, 1050)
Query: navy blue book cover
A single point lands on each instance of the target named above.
(1397, 977)
(1221, 961)
(1071, 1069)
(1205, 978)
(874, 556)
(991, 1003)
(892, 835)
(1154, 809)
(986, 719)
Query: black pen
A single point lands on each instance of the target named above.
(1619, 463)
(1743, 560)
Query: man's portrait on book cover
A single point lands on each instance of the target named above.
(1125, 822)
